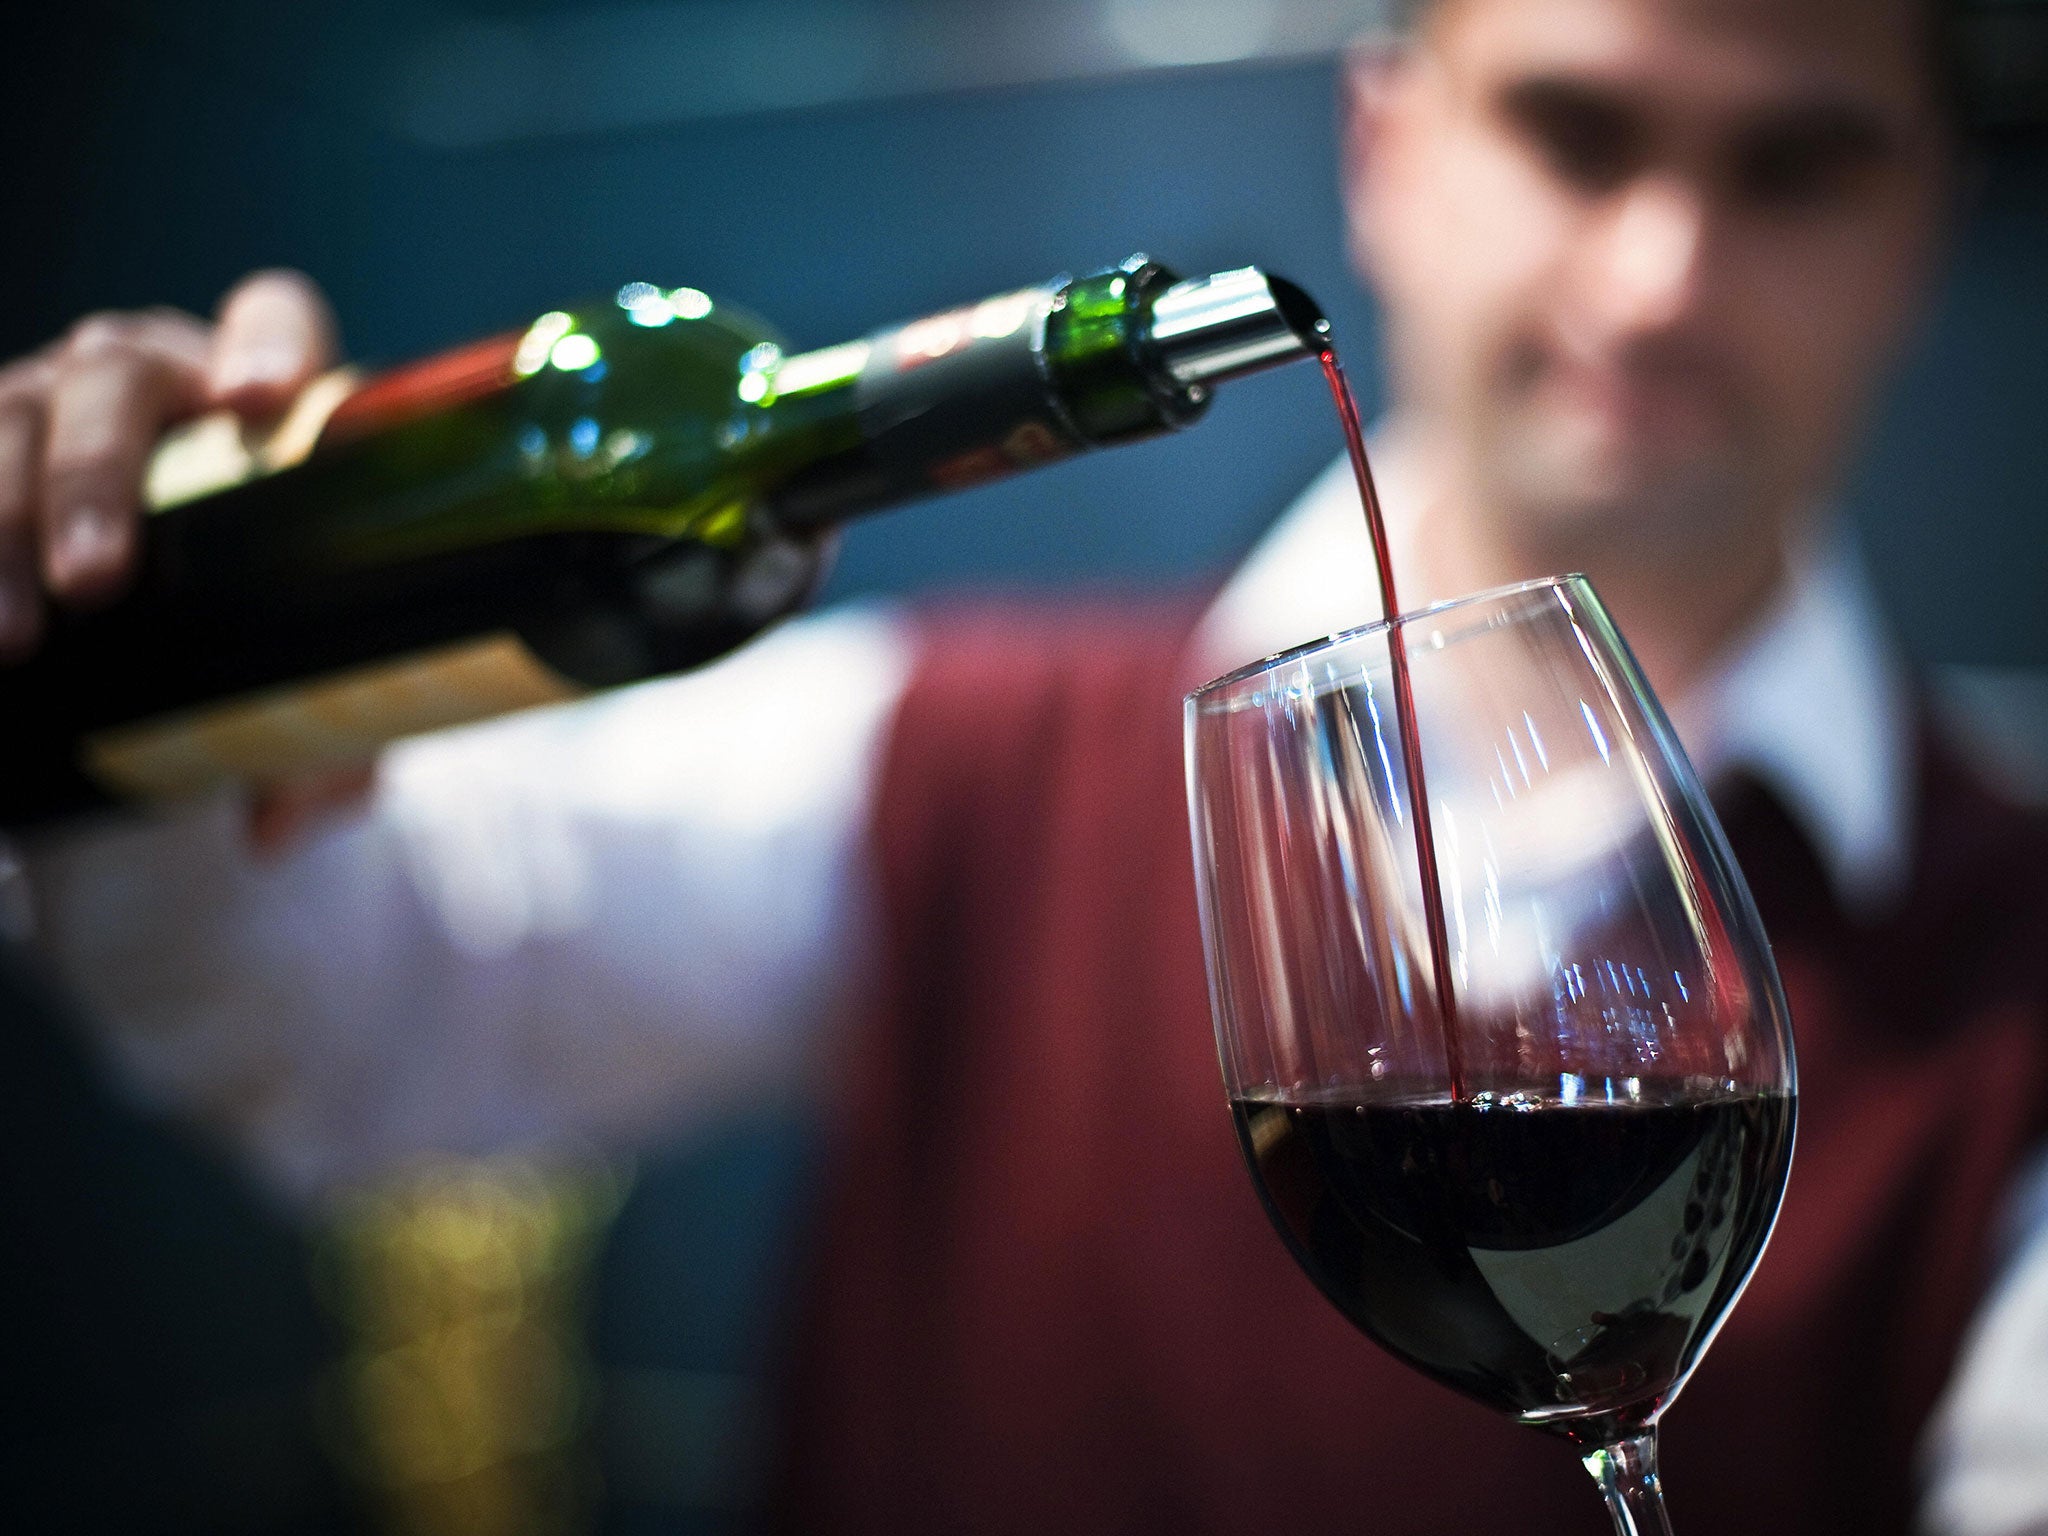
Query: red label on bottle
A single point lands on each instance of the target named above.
(419, 389)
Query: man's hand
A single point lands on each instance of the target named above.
(79, 418)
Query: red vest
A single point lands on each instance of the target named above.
(1044, 1297)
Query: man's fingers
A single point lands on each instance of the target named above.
(28, 378)
(21, 426)
(275, 333)
(117, 386)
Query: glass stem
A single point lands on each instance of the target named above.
(1627, 1474)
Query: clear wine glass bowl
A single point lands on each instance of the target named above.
(1547, 1189)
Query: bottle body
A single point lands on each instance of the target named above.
(628, 489)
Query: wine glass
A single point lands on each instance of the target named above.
(1546, 1188)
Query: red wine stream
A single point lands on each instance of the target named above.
(1404, 710)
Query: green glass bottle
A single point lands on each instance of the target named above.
(625, 489)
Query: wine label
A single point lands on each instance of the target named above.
(220, 451)
(323, 724)
(414, 390)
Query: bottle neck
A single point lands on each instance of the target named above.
(1101, 359)
(984, 391)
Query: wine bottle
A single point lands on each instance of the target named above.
(624, 489)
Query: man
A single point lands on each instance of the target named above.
(1643, 263)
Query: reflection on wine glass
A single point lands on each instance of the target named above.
(1547, 1188)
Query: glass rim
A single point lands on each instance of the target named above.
(1295, 653)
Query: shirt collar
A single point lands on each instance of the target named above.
(1812, 701)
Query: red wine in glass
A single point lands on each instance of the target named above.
(1562, 1263)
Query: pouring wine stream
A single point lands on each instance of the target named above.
(1404, 710)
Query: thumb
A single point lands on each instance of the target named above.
(273, 334)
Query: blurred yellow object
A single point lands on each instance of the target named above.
(465, 1386)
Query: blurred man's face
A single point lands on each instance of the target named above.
(1644, 260)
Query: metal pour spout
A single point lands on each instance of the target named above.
(1233, 323)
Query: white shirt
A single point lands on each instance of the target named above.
(1985, 1453)
(588, 923)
